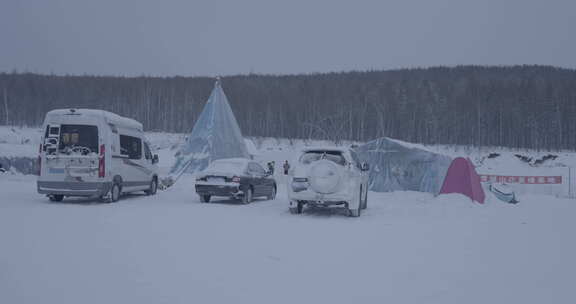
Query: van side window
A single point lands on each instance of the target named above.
(54, 131)
(131, 146)
(147, 152)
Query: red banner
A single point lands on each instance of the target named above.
(521, 179)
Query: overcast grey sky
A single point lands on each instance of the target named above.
(135, 37)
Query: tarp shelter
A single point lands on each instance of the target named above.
(462, 178)
(397, 165)
(215, 135)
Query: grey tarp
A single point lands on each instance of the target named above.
(395, 165)
(215, 135)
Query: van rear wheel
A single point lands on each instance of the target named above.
(115, 193)
(56, 197)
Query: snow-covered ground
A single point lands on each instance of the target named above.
(406, 248)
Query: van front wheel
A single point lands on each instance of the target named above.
(153, 187)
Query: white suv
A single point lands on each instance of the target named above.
(330, 176)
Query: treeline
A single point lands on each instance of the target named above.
(517, 106)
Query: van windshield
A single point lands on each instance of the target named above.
(78, 139)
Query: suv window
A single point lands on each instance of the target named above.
(312, 156)
(131, 146)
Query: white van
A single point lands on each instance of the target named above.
(94, 153)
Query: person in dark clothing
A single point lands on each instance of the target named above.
(286, 167)
(271, 168)
(2, 170)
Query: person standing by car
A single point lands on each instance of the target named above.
(271, 168)
(286, 167)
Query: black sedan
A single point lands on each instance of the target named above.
(237, 178)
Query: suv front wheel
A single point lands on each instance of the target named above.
(365, 201)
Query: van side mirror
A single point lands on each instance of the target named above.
(155, 159)
(365, 167)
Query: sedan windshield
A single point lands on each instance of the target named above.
(227, 166)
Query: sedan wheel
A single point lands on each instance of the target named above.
(272, 193)
(205, 198)
(247, 198)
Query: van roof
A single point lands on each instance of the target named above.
(109, 117)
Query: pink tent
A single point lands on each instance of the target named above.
(462, 178)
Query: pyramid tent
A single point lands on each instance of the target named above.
(400, 166)
(462, 178)
(215, 135)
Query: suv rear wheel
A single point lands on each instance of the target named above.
(365, 201)
(298, 208)
(357, 212)
(56, 197)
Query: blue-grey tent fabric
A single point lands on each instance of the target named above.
(215, 135)
(395, 166)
